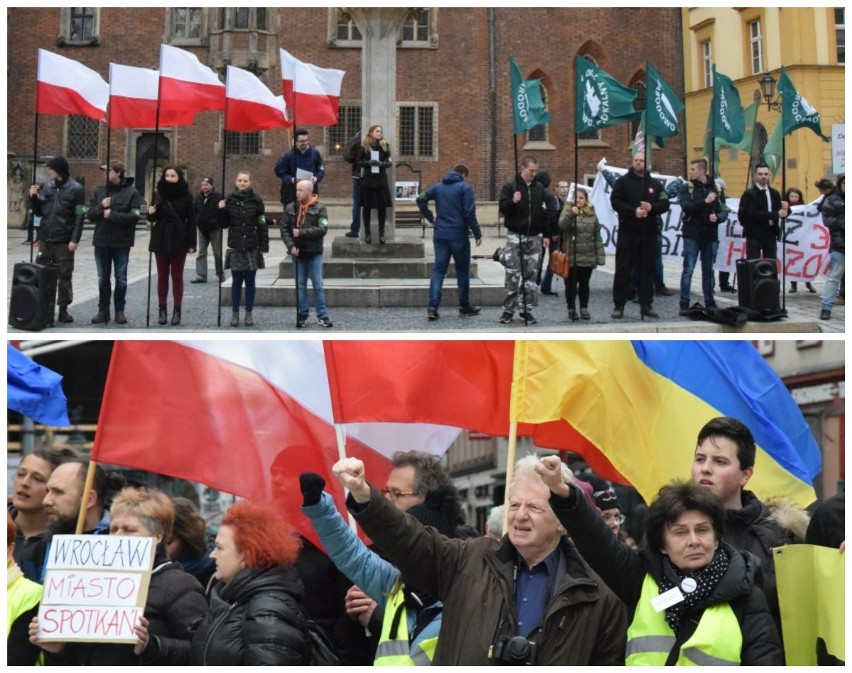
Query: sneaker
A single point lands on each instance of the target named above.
(572, 315)
(469, 310)
(301, 321)
(549, 293)
(324, 322)
(198, 280)
(528, 318)
(432, 314)
(584, 314)
(683, 308)
(649, 312)
(506, 318)
(710, 304)
(351, 234)
(64, 316)
(727, 288)
(120, 318)
(101, 317)
(617, 313)
(825, 314)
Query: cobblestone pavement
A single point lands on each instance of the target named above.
(200, 312)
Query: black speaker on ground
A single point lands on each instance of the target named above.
(759, 289)
(33, 296)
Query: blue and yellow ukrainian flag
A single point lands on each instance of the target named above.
(642, 404)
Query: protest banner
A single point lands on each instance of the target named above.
(807, 239)
(95, 588)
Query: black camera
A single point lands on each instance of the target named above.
(515, 650)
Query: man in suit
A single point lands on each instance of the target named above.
(760, 210)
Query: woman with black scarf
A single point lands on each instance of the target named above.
(172, 218)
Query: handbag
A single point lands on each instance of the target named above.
(559, 263)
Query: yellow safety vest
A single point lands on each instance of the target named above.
(717, 641)
(397, 652)
(22, 595)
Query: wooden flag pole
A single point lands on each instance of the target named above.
(510, 469)
(87, 488)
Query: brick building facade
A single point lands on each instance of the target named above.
(452, 86)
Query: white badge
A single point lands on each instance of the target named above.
(666, 599)
(689, 585)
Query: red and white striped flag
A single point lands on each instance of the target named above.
(133, 100)
(66, 87)
(250, 105)
(316, 91)
(186, 83)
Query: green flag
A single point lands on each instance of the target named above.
(662, 106)
(773, 150)
(728, 119)
(528, 109)
(749, 120)
(796, 111)
(601, 100)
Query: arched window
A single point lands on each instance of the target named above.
(539, 133)
(758, 144)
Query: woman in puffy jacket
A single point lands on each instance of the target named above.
(580, 238)
(248, 240)
(172, 218)
(255, 596)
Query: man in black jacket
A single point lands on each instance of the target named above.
(522, 204)
(114, 208)
(208, 219)
(638, 199)
(62, 207)
(760, 210)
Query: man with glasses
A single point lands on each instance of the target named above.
(302, 162)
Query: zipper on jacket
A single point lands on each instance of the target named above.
(212, 630)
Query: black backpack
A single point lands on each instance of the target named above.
(323, 651)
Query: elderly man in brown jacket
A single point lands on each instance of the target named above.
(529, 598)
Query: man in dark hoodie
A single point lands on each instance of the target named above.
(61, 206)
(114, 208)
(208, 219)
(455, 205)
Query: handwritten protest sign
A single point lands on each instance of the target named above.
(807, 239)
(95, 588)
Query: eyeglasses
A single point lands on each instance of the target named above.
(396, 495)
(617, 518)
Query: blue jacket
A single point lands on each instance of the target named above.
(455, 205)
(310, 160)
(696, 212)
(373, 575)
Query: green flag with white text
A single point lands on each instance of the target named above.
(601, 100)
(796, 111)
(528, 108)
(727, 110)
(662, 106)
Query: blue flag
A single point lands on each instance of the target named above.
(33, 390)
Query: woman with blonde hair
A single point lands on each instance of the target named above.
(374, 158)
(580, 238)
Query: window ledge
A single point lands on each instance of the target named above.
(538, 145)
(592, 143)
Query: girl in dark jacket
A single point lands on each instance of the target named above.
(580, 238)
(175, 606)
(248, 239)
(172, 218)
(375, 192)
(255, 597)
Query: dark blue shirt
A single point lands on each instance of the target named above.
(533, 588)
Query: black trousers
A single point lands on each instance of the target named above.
(641, 251)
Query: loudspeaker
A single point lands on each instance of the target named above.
(759, 289)
(33, 296)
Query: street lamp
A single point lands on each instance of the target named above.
(767, 90)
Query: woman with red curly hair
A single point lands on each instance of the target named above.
(255, 594)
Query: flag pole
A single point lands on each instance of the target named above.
(639, 270)
(224, 166)
(510, 469)
(154, 183)
(31, 234)
(87, 488)
(783, 219)
(572, 272)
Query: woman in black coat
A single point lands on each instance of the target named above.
(374, 158)
(172, 218)
(248, 238)
(255, 597)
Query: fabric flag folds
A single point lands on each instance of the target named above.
(241, 417)
(601, 100)
(68, 87)
(796, 111)
(643, 403)
(315, 97)
(772, 153)
(528, 107)
(185, 82)
(250, 105)
(744, 145)
(33, 390)
(133, 100)
(728, 119)
(662, 106)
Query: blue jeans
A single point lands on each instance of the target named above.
(691, 250)
(105, 258)
(303, 269)
(832, 282)
(460, 252)
(237, 280)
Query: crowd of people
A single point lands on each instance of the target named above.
(539, 223)
(553, 580)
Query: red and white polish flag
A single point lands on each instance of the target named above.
(186, 83)
(288, 74)
(69, 87)
(241, 417)
(250, 105)
(316, 91)
(133, 100)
